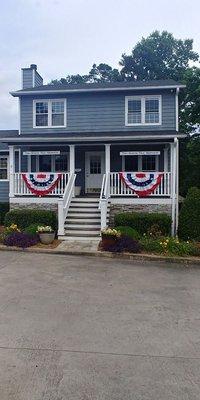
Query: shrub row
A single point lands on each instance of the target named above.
(25, 218)
(189, 218)
(4, 208)
(142, 222)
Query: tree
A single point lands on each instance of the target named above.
(159, 56)
(189, 163)
(104, 73)
(189, 101)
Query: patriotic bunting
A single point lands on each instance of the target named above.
(143, 184)
(41, 184)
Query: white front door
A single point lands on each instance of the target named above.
(94, 170)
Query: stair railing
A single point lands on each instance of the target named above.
(64, 203)
(103, 201)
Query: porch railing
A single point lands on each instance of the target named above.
(20, 188)
(118, 188)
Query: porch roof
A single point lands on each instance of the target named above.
(95, 137)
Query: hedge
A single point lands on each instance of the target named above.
(128, 231)
(189, 217)
(25, 218)
(4, 208)
(142, 222)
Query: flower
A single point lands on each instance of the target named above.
(44, 229)
(110, 232)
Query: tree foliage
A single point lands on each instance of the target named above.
(159, 56)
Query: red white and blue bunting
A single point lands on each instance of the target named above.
(40, 183)
(142, 183)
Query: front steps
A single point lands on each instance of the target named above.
(83, 219)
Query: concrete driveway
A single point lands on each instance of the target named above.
(78, 328)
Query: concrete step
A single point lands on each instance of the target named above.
(82, 221)
(83, 227)
(85, 200)
(82, 233)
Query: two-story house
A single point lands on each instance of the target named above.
(88, 147)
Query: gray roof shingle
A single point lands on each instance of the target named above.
(101, 86)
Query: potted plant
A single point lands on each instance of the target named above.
(109, 236)
(46, 234)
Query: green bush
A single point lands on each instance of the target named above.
(128, 231)
(142, 222)
(25, 218)
(4, 208)
(31, 229)
(189, 217)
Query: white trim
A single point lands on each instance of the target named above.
(177, 113)
(19, 115)
(49, 102)
(107, 158)
(19, 93)
(136, 200)
(143, 99)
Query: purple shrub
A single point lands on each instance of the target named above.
(20, 239)
(124, 243)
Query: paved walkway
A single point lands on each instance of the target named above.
(81, 245)
(84, 328)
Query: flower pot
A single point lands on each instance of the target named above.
(47, 237)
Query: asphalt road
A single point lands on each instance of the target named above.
(80, 328)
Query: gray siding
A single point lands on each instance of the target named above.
(27, 78)
(38, 79)
(4, 191)
(98, 112)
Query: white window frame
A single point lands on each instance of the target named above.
(49, 101)
(7, 157)
(140, 163)
(143, 100)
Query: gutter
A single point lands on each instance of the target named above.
(114, 89)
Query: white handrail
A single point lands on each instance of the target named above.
(63, 205)
(103, 202)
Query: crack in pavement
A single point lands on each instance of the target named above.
(99, 353)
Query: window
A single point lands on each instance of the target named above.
(49, 113)
(3, 167)
(148, 163)
(152, 111)
(95, 165)
(61, 163)
(131, 163)
(143, 110)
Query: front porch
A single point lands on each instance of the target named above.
(94, 169)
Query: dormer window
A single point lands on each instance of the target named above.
(49, 113)
(142, 110)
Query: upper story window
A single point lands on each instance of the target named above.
(49, 113)
(3, 167)
(142, 110)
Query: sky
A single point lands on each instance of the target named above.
(67, 36)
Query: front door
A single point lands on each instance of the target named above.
(94, 170)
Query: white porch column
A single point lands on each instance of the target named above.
(177, 182)
(11, 169)
(173, 153)
(107, 158)
(71, 158)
